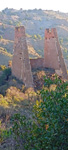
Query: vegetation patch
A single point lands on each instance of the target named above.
(47, 126)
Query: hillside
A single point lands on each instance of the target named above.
(35, 22)
(33, 119)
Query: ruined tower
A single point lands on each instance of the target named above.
(53, 57)
(21, 64)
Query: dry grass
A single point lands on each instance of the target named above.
(5, 41)
(2, 51)
(32, 51)
(14, 102)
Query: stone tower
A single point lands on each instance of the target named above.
(21, 64)
(53, 57)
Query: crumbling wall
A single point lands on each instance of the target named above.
(37, 63)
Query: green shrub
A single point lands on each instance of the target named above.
(48, 128)
(5, 76)
(4, 134)
(2, 67)
(51, 114)
(7, 73)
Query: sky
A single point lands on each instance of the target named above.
(61, 5)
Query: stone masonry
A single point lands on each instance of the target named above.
(21, 67)
(53, 58)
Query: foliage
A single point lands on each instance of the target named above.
(5, 50)
(1, 37)
(3, 26)
(18, 24)
(4, 134)
(5, 75)
(36, 37)
(2, 67)
(49, 125)
(10, 63)
(61, 40)
(51, 113)
(65, 50)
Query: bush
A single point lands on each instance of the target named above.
(5, 76)
(2, 67)
(48, 128)
(51, 114)
(7, 73)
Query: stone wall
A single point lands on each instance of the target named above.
(37, 63)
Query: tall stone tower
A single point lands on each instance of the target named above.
(21, 64)
(53, 57)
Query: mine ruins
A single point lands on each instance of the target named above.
(21, 64)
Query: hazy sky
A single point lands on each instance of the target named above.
(61, 5)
